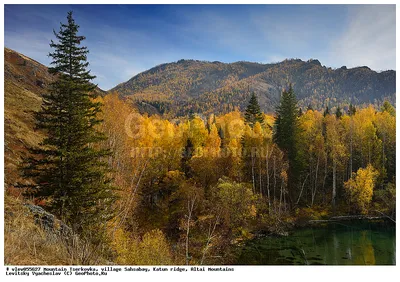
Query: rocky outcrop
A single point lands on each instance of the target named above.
(49, 222)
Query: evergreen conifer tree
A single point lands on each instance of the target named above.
(326, 111)
(286, 134)
(221, 135)
(68, 167)
(352, 110)
(338, 112)
(253, 112)
(300, 112)
(187, 155)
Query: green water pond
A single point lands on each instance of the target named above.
(341, 243)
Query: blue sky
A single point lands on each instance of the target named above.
(125, 40)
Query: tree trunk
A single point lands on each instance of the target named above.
(189, 217)
(210, 236)
(267, 168)
(383, 155)
(302, 187)
(274, 177)
(260, 176)
(324, 181)
(334, 186)
(280, 198)
(351, 147)
(252, 173)
(314, 192)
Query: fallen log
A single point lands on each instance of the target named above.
(347, 217)
(386, 216)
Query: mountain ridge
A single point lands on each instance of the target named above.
(193, 86)
(188, 86)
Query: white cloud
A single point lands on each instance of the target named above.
(369, 40)
(263, 34)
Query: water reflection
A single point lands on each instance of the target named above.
(352, 243)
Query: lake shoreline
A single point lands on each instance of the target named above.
(362, 242)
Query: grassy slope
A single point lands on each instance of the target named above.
(18, 127)
(22, 96)
(26, 243)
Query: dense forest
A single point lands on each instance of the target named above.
(143, 189)
(209, 183)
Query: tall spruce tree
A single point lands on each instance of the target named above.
(253, 112)
(352, 110)
(187, 155)
(338, 112)
(285, 135)
(326, 111)
(300, 112)
(68, 167)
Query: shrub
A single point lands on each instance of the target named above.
(151, 249)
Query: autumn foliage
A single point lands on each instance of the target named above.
(361, 186)
(233, 178)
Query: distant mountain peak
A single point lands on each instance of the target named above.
(314, 61)
(216, 87)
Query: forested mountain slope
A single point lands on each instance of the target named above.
(213, 87)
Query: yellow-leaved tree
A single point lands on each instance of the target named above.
(151, 249)
(204, 165)
(360, 188)
(235, 202)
